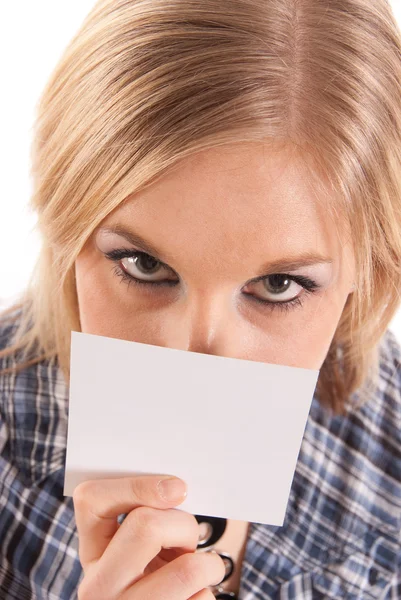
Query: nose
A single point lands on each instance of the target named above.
(208, 323)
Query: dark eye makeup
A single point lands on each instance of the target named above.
(309, 285)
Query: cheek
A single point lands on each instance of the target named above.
(303, 338)
(94, 295)
(319, 329)
(106, 305)
(92, 303)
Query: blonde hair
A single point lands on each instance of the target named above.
(145, 83)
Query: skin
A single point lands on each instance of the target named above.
(216, 220)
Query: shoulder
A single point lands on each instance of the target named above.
(9, 321)
(380, 411)
(365, 445)
(34, 406)
(376, 405)
(356, 457)
(390, 367)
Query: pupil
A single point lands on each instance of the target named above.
(276, 281)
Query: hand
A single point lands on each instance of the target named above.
(151, 555)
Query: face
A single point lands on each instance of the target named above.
(229, 254)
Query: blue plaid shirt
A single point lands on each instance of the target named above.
(341, 533)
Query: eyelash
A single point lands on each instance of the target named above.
(310, 286)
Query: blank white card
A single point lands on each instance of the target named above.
(231, 428)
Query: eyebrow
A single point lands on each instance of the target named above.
(289, 263)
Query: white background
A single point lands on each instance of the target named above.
(33, 36)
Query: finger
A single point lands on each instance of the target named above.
(97, 504)
(180, 579)
(142, 535)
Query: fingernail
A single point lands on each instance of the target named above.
(172, 488)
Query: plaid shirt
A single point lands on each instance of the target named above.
(341, 533)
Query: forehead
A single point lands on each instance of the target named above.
(239, 196)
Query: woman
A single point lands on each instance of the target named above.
(236, 166)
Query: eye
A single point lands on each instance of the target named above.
(141, 268)
(145, 267)
(279, 290)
